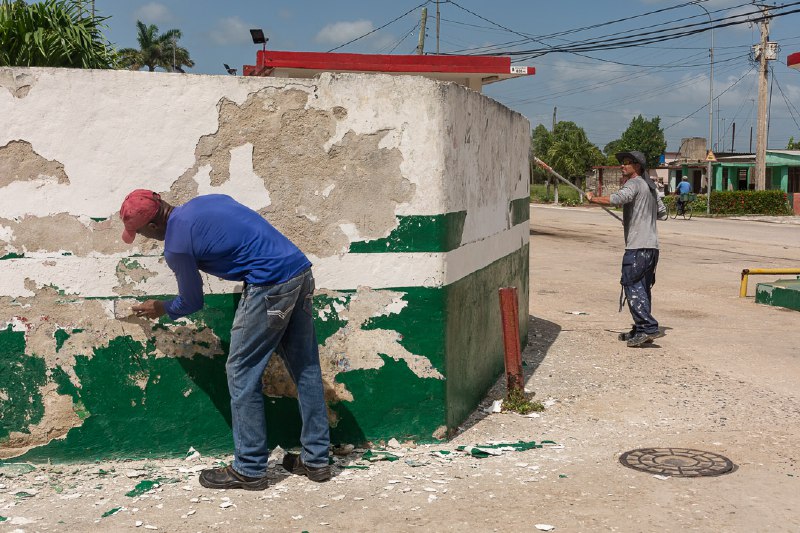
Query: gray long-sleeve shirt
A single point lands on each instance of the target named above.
(641, 208)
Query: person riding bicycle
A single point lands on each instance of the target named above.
(682, 191)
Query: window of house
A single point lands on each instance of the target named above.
(794, 179)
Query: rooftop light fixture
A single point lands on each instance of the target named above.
(259, 38)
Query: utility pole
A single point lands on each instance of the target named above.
(421, 43)
(437, 27)
(733, 138)
(761, 133)
(555, 182)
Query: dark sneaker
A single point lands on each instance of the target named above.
(228, 478)
(294, 465)
(643, 338)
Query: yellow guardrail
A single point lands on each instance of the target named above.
(747, 272)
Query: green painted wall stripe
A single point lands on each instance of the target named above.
(134, 405)
(780, 293)
(520, 210)
(474, 331)
(21, 376)
(418, 233)
(12, 256)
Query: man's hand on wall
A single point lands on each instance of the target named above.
(149, 309)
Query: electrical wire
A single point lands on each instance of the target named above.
(731, 86)
(380, 27)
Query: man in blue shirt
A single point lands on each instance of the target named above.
(219, 236)
(684, 187)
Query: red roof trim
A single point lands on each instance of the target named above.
(793, 61)
(389, 63)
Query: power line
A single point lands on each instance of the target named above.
(789, 105)
(706, 105)
(606, 43)
(380, 27)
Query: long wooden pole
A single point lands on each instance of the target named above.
(545, 166)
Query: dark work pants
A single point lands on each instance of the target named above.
(638, 277)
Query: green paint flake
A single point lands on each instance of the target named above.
(21, 378)
(22, 495)
(142, 487)
(520, 210)
(3, 518)
(130, 264)
(418, 233)
(99, 219)
(480, 450)
(61, 337)
(326, 318)
(15, 469)
(354, 467)
(111, 512)
(378, 455)
(12, 256)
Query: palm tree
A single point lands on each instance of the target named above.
(52, 33)
(156, 51)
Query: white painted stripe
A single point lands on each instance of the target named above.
(378, 271)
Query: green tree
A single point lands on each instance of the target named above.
(643, 135)
(567, 149)
(793, 145)
(53, 33)
(155, 50)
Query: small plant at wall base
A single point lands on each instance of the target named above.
(740, 203)
(519, 402)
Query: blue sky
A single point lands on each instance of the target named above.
(669, 79)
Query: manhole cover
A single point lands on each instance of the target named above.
(677, 462)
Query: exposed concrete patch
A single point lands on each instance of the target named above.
(59, 417)
(19, 85)
(62, 232)
(19, 162)
(90, 325)
(352, 348)
(129, 273)
(361, 180)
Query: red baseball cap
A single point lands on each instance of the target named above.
(138, 208)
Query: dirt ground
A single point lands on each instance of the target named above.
(725, 379)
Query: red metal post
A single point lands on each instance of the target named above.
(509, 311)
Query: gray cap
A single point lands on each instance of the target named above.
(635, 155)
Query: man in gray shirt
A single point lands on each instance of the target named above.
(641, 206)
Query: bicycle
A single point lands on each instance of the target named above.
(687, 199)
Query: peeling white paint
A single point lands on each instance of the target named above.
(244, 185)
(397, 305)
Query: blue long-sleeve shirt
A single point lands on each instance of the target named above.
(220, 236)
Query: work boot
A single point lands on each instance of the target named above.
(642, 338)
(228, 478)
(294, 465)
(627, 335)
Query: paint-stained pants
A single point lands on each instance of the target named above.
(269, 318)
(638, 278)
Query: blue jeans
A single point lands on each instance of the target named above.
(638, 277)
(268, 318)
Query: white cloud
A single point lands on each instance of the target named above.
(340, 32)
(231, 30)
(153, 13)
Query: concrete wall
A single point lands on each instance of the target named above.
(410, 197)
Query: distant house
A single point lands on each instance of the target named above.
(736, 172)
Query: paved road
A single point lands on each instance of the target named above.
(725, 379)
